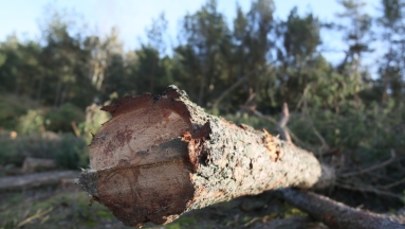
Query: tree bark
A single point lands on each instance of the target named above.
(161, 156)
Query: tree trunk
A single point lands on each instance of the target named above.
(159, 157)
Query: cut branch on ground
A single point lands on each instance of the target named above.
(12, 183)
(335, 214)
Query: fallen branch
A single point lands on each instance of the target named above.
(38, 215)
(282, 124)
(335, 214)
(270, 119)
(393, 184)
(159, 157)
(371, 168)
(364, 188)
(228, 91)
(34, 180)
(31, 165)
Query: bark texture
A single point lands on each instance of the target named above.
(161, 156)
(335, 214)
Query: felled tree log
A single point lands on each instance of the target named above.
(161, 156)
(335, 214)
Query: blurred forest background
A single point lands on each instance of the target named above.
(243, 68)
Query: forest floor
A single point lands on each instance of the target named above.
(66, 206)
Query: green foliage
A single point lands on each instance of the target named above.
(258, 123)
(63, 117)
(64, 208)
(301, 36)
(31, 123)
(266, 61)
(9, 153)
(151, 73)
(95, 117)
(11, 109)
(362, 134)
(71, 152)
(20, 67)
(67, 150)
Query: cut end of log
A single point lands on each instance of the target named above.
(138, 124)
(141, 159)
(136, 199)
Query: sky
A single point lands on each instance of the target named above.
(24, 18)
